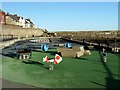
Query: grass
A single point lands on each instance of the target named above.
(85, 72)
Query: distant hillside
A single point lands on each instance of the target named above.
(90, 34)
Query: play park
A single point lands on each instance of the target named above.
(59, 65)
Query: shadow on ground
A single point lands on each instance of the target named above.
(104, 72)
(84, 59)
(111, 82)
(35, 63)
(11, 55)
(51, 52)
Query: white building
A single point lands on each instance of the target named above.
(21, 21)
(27, 23)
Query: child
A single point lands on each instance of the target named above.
(51, 66)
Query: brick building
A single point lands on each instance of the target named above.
(2, 17)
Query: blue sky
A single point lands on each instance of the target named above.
(67, 16)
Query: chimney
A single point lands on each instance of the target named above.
(15, 14)
(7, 13)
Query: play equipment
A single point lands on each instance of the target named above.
(24, 53)
(44, 47)
(75, 51)
(68, 45)
(56, 60)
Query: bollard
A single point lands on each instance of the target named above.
(24, 56)
(27, 56)
(20, 56)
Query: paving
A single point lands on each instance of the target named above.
(10, 84)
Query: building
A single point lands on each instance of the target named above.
(29, 24)
(2, 17)
(15, 20)
(11, 19)
(21, 21)
(34, 26)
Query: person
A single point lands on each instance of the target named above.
(51, 66)
(104, 55)
(103, 50)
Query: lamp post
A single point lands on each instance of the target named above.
(107, 43)
(115, 45)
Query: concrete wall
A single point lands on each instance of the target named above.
(18, 31)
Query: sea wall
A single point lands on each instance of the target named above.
(19, 31)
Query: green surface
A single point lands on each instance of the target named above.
(86, 72)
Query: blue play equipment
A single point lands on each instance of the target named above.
(68, 45)
(44, 47)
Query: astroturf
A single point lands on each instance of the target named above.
(85, 72)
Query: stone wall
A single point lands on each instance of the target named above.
(20, 32)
